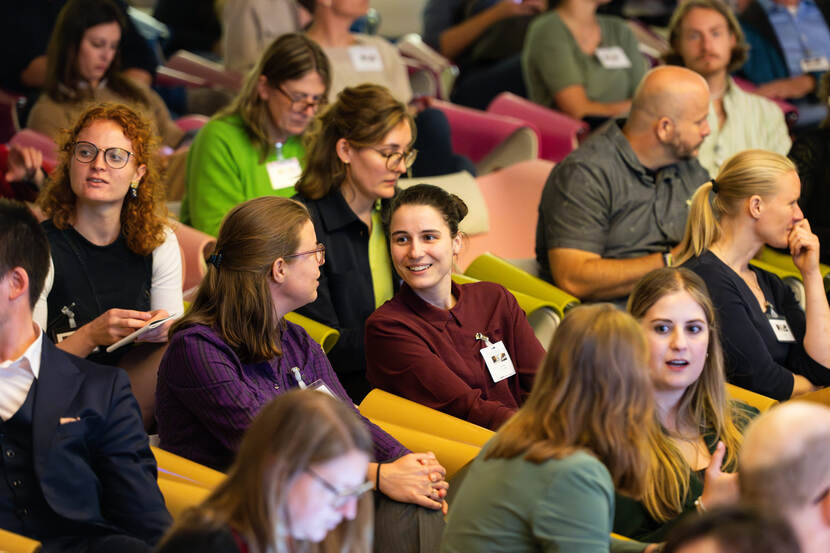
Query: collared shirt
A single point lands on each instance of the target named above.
(432, 356)
(802, 33)
(17, 375)
(751, 122)
(207, 397)
(601, 199)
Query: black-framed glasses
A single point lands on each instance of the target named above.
(341, 497)
(319, 252)
(87, 152)
(299, 105)
(393, 159)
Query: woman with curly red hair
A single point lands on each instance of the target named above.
(116, 262)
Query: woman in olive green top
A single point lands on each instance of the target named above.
(581, 63)
(694, 456)
(546, 481)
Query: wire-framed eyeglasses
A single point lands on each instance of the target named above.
(319, 252)
(341, 497)
(393, 159)
(87, 152)
(299, 105)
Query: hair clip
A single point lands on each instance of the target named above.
(714, 186)
(215, 259)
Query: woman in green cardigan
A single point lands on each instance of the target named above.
(253, 147)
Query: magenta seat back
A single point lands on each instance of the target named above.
(33, 139)
(560, 134)
(474, 132)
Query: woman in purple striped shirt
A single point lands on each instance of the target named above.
(232, 352)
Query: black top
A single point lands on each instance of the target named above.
(755, 359)
(810, 153)
(96, 279)
(191, 539)
(346, 295)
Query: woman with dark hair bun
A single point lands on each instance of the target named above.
(467, 350)
(84, 67)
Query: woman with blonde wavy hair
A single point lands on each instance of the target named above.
(695, 451)
(546, 480)
(771, 345)
(116, 262)
(299, 475)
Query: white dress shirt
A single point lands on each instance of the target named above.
(17, 375)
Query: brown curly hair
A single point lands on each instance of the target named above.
(144, 218)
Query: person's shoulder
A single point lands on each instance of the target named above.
(374, 40)
(582, 467)
(57, 359)
(392, 310)
(484, 291)
(198, 334)
(616, 25)
(224, 126)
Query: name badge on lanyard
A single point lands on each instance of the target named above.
(365, 58)
(613, 57)
(284, 173)
(780, 326)
(496, 358)
(815, 64)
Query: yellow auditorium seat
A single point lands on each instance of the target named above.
(542, 315)
(15, 543)
(762, 403)
(495, 269)
(177, 468)
(324, 335)
(179, 496)
(819, 396)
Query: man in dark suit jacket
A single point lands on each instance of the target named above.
(76, 470)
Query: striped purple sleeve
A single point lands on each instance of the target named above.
(318, 366)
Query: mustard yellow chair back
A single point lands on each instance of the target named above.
(176, 468)
(386, 407)
(179, 496)
(495, 269)
(324, 335)
(15, 543)
(762, 403)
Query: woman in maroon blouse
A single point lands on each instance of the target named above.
(467, 350)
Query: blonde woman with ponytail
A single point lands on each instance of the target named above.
(771, 346)
(694, 448)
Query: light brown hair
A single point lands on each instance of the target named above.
(363, 115)
(704, 405)
(295, 431)
(143, 218)
(592, 393)
(740, 52)
(291, 56)
(747, 173)
(234, 298)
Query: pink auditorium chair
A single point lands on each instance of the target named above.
(195, 246)
(476, 133)
(559, 134)
(9, 123)
(512, 197)
(39, 141)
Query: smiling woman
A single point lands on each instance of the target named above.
(772, 346)
(696, 448)
(467, 350)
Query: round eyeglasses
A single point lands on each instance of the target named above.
(341, 497)
(393, 159)
(319, 252)
(87, 152)
(299, 105)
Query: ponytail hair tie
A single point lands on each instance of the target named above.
(714, 186)
(215, 259)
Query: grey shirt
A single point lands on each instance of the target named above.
(601, 199)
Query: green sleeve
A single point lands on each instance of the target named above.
(551, 54)
(632, 50)
(575, 513)
(214, 181)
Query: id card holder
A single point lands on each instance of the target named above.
(320, 386)
(497, 360)
(612, 57)
(284, 173)
(815, 64)
(365, 58)
(780, 326)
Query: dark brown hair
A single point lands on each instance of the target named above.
(23, 243)
(451, 207)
